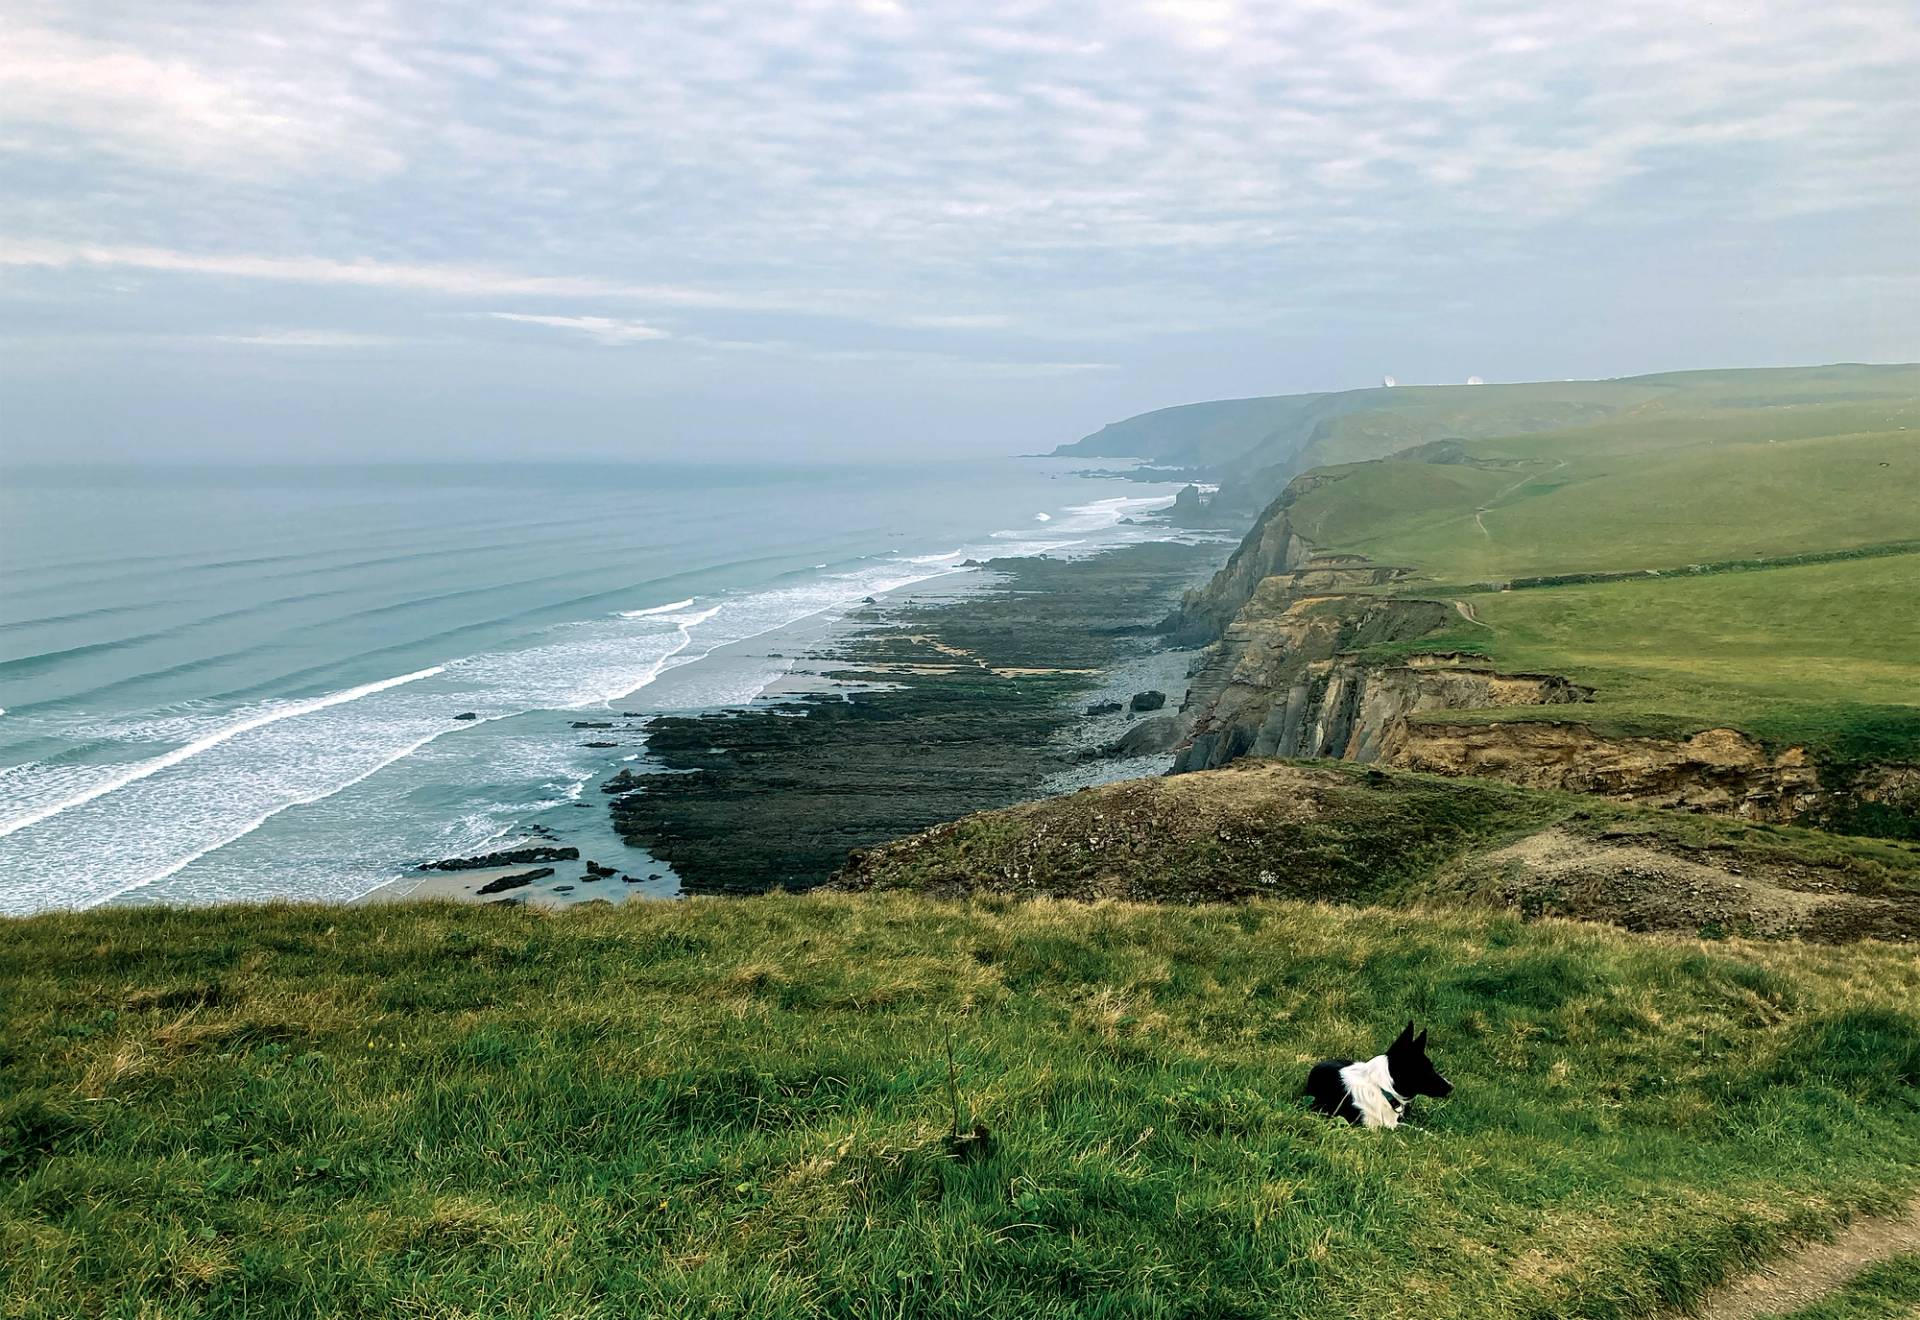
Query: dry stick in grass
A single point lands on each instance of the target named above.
(968, 1145)
(953, 1089)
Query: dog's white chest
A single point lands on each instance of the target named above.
(1370, 1086)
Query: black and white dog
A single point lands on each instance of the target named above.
(1374, 1092)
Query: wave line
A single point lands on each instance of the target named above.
(187, 752)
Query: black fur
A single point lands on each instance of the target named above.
(1413, 1074)
(1329, 1093)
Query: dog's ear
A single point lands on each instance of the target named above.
(1406, 1034)
(1420, 1041)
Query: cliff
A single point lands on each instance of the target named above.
(1315, 654)
(1271, 547)
(1290, 676)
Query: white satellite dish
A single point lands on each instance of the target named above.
(1388, 381)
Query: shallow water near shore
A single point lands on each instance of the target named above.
(244, 683)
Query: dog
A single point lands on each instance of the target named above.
(1374, 1092)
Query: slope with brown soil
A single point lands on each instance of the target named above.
(1343, 834)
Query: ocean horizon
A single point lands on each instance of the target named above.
(243, 682)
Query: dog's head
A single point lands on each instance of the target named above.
(1413, 1072)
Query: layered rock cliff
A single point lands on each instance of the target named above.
(1307, 655)
(1272, 547)
(1290, 676)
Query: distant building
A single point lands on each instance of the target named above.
(1476, 380)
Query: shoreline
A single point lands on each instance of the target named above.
(919, 711)
(802, 646)
(829, 660)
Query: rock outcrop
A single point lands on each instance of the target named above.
(1720, 770)
(519, 881)
(1339, 834)
(1285, 678)
(1155, 736)
(1346, 709)
(1271, 547)
(1192, 508)
(511, 857)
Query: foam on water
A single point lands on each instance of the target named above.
(112, 780)
(325, 796)
(201, 797)
(658, 609)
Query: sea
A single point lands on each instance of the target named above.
(241, 683)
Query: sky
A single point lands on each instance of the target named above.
(838, 228)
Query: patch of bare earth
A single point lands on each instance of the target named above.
(1628, 883)
(1804, 1276)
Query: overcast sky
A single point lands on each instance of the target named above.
(415, 228)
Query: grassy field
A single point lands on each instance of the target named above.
(1825, 654)
(1259, 442)
(739, 1108)
(1644, 491)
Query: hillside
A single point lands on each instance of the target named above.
(1253, 446)
(739, 1108)
(1333, 832)
(1581, 608)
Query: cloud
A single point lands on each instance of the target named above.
(418, 277)
(750, 135)
(308, 339)
(600, 329)
(124, 341)
(967, 184)
(169, 110)
(465, 281)
(926, 360)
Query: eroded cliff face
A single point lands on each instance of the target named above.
(1347, 709)
(1290, 678)
(1272, 547)
(1308, 658)
(1720, 770)
(1286, 678)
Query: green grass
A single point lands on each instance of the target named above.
(1827, 655)
(1635, 493)
(1263, 440)
(1887, 1291)
(737, 1108)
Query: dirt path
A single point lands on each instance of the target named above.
(1558, 464)
(1466, 612)
(1805, 1276)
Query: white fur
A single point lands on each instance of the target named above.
(1367, 1085)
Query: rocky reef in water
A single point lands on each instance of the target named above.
(947, 708)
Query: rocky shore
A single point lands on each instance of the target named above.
(930, 712)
